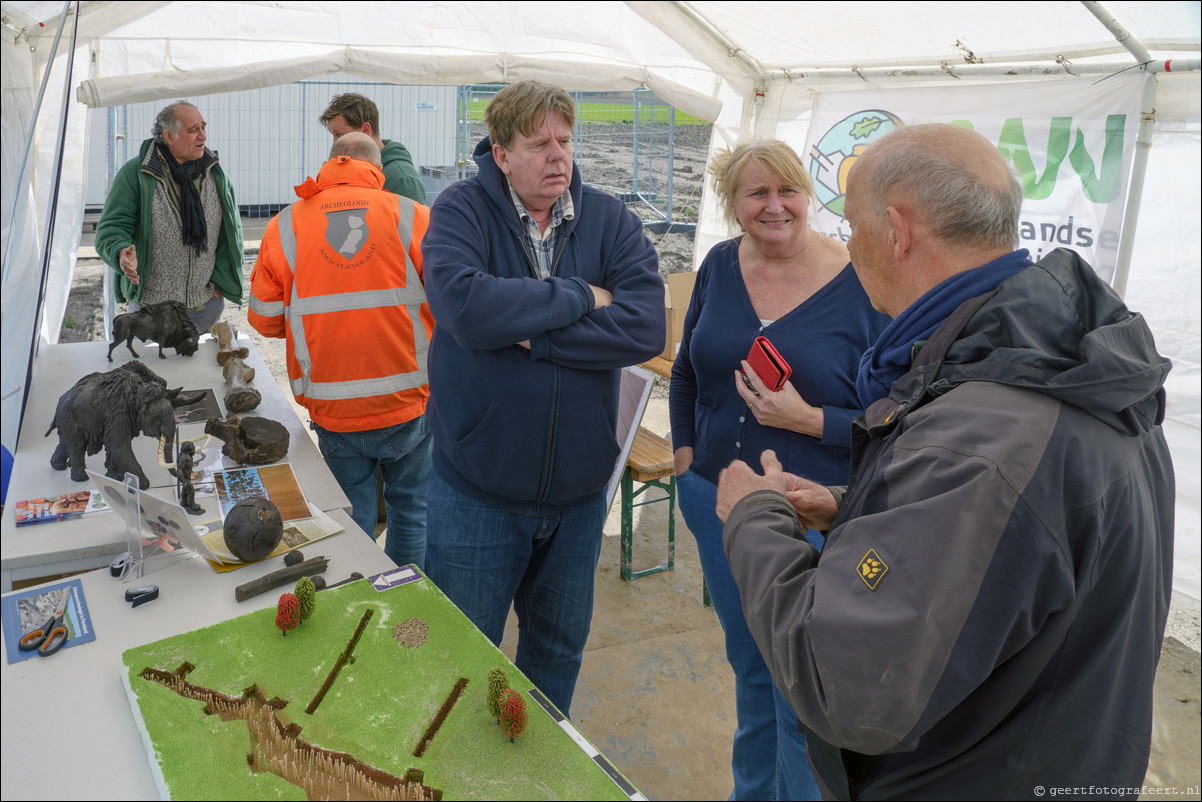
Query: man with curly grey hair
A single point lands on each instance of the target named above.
(985, 619)
(170, 226)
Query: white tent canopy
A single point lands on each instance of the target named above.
(755, 70)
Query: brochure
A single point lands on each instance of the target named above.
(276, 483)
(60, 508)
(27, 610)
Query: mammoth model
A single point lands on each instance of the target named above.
(108, 410)
(166, 323)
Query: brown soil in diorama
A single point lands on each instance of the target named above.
(411, 633)
(277, 748)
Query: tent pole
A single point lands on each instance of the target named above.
(1143, 146)
(733, 51)
(1124, 37)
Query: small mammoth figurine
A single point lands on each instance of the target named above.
(166, 323)
(108, 410)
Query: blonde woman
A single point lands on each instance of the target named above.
(782, 280)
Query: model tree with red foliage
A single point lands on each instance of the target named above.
(287, 612)
(513, 713)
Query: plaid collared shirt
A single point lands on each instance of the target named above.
(542, 244)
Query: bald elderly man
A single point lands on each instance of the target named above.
(339, 276)
(986, 617)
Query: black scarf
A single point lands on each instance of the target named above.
(191, 210)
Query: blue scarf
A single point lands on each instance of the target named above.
(887, 360)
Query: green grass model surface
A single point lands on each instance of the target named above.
(376, 710)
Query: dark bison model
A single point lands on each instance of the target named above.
(167, 324)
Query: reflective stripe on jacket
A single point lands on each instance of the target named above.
(339, 276)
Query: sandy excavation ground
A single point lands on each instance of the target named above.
(1176, 740)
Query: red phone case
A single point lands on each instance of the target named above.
(768, 364)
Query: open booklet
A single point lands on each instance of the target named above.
(298, 532)
(165, 527)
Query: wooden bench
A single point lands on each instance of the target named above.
(649, 464)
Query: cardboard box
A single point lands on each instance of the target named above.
(678, 291)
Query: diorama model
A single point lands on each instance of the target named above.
(379, 694)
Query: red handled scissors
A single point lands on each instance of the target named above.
(51, 636)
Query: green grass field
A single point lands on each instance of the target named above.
(607, 113)
(376, 710)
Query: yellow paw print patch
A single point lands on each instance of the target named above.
(871, 569)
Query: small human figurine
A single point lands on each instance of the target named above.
(513, 713)
(287, 612)
(183, 477)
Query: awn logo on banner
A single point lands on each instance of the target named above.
(1071, 145)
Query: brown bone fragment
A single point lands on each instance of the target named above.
(241, 396)
(224, 334)
(251, 440)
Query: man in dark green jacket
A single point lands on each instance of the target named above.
(350, 112)
(170, 225)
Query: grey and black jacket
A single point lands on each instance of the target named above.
(987, 614)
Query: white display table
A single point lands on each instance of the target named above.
(40, 550)
(68, 732)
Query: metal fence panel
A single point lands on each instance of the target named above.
(270, 139)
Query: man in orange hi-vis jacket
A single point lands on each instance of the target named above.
(339, 276)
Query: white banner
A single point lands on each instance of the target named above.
(1071, 143)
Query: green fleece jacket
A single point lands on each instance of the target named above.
(126, 220)
(400, 176)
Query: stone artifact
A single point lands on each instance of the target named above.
(251, 440)
(166, 323)
(241, 396)
(223, 333)
(253, 528)
(108, 410)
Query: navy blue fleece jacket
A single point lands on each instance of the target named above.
(533, 430)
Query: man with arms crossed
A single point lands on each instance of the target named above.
(543, 289)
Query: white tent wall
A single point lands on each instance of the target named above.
(23, 265)
(754, 70)
(19, 238)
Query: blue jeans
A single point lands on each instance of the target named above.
(403, 454)
(768, 757)
(204, 318)
(485, 559)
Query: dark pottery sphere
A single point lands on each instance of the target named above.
(253, 529)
